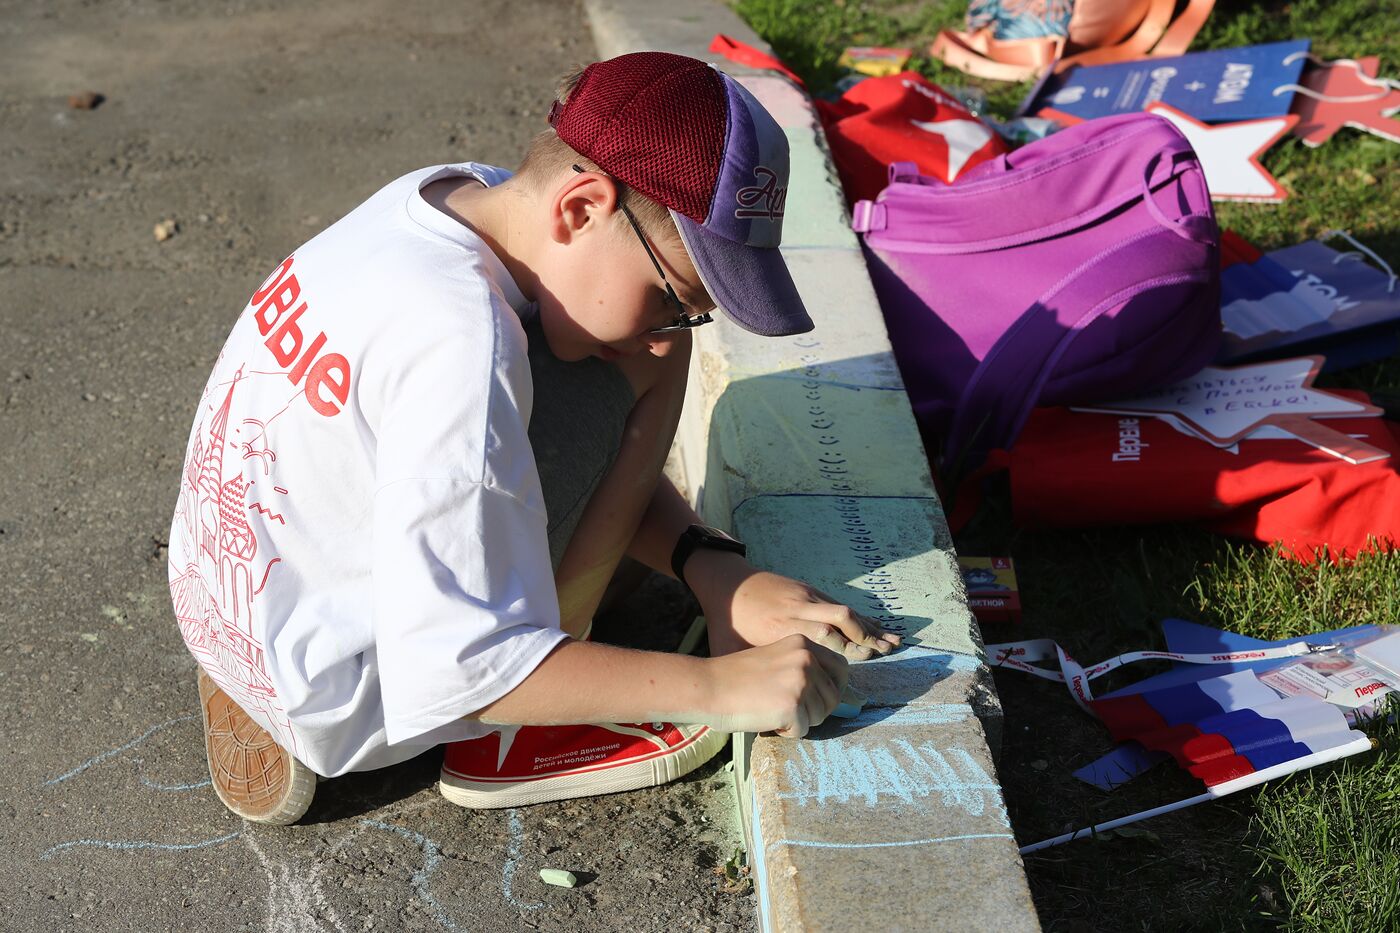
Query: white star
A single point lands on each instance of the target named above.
(1229, 153)
(964, 139)
(1194, 86)
(1224, 404)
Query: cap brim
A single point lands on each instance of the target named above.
(750, 284)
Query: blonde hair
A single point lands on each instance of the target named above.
(548, 157)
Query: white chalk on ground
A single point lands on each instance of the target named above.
(558, 877)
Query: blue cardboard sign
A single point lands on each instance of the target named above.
(1218, 86)
(1303, 299)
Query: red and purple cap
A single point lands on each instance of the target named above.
(692, 138)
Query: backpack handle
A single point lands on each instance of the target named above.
(1198, 228)
(897, 230)
(904, 171)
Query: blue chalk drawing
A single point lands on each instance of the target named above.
(192, 786)
(934, 714)
(759, 864)
(819, 844)
(140, 844)
(837, 771)
(432, 857)
(907, 675)
(117, 751)
(517, 835)
(135, 844)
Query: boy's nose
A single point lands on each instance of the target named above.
(659, 345)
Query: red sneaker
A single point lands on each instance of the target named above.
(534, 764)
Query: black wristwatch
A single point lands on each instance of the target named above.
(702, 536)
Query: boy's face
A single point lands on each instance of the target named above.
(599, 293)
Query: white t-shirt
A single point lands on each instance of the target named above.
(359, 553)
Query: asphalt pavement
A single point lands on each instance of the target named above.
(131, 234)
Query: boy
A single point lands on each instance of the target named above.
(439, 426)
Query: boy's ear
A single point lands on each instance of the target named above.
(586, 199)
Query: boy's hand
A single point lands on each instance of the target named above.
(745, 607)
(788, 687)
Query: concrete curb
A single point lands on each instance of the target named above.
(807, 449)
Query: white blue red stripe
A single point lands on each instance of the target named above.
(1224, 728)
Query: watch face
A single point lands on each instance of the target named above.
(711, 533)
(702, 536)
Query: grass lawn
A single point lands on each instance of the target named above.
(1320, 850)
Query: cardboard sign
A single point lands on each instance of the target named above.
(1222, 405)
(1302, 298)
(1345, 93)
(1216, 86)
(1230, 152)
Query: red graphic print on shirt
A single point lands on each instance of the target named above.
(214, 593)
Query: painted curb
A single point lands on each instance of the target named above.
(806, 447)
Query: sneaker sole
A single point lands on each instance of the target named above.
(290, 785)
(603, 779)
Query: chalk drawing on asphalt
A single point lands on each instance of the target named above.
(139, 844)
(294, 901)
(98, 759)
(517, 836)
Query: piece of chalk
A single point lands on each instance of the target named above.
(558, 877)
(852, 702)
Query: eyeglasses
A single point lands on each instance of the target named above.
(682, 321)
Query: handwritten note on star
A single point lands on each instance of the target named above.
(1224, 404)
(1229, 153)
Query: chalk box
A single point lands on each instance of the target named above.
(992, 592)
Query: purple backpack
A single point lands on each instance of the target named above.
(1082, 267)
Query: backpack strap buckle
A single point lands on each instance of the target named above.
(867, 217)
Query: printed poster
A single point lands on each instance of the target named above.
(1222, 85)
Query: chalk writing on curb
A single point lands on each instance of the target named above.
(883, 602)
(935, 714)
(835, 771)
(819, 844)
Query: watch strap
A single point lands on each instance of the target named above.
(697, 537)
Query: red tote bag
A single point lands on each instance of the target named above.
(902, 118)
(1075, 469)
(898, 118)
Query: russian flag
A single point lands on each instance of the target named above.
(1225, 728)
